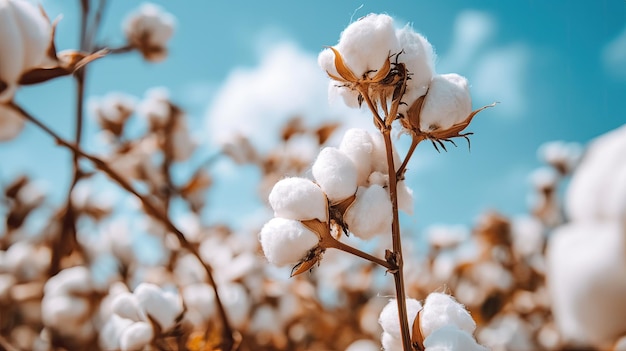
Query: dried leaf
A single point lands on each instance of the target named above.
(341, 68)
(418, 337)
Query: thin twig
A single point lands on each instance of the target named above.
(364, 255)
(151, 209)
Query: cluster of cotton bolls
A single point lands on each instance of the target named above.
(442, 322)
(351, 178)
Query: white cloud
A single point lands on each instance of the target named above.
(256, 102)
(614, 56)
(496, 72)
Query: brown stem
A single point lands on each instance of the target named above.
(336, 244)
(398, 275)
(151, 209)
(400, 172)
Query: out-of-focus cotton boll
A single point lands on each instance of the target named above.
(286, 241)
(127, 306)
(389, 321)
(299, 199)
(586, 266)
(364, 45)
(358, 145)
(597, 190)
(63, 311)
(446, 236)
(405, 197)
(236, 303)
(75, 280)
(528, 236)
(26, 34)
(363, 345)
(148, 29)
(451, 338)
(544, 178)
(183, 144)
(441, 310)
(155, 107)
(507, 332)
(447, 103)
(199, 300)
(11, 123)
(560, 155)
(371, 212)
(418, 57)
(163, 306)
(109, 337)
(136, 336)
(335, 173)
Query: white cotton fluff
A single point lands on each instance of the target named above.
(299, 199)
(149, 28)
(336, 89)
(441, 310)
(389, 321)
(11, 123)
(363, 345)
(405, 197)
(236, 303)
(390, 342)
(109, 336)
(136, 336)
(371, 212)
(163, 306)
(585, 274)
(364, 45)
(63, 311)
(335, 173)
(528, 236)
(199, 298)
(286, 241)
(74, 280)
(419, 59)
(26, 33)
(597, 190)
(559, 153)
(451, 338)
(544, 178)
(379, 157)
(358, 145)
(127, 306)
(447, 103)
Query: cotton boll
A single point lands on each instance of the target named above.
(148, 29)
(447, 103)
(451, 338)
(299, 199)
(405, 197)
(63, 311)
(528, 236)
(350, 97)
(418, 57)
(441, 310)
(199, 298)
(389, 321)
(358, 145)
(11, 123)
(597, 190)
(161, 305)
(363, 345)
(371, 212)
(585, 274)
(136, 336)
(335, 173)
(391, 343)
(127, 306)
(236, 303)
(286, 241)
(74, 280)
(109, 336)
(446, 236)
(379, 156)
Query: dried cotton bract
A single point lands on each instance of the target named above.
(148, 30)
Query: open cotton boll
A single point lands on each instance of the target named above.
(236, 303)
(389, 321)
(199, 298)
(299, 199)
(74, 280)
(419, 59)
(358, 145)
(111, 332)
(286, 241)
(405, 197)
(126, 305)
(379, 156)
(390, 342)
(585, 274)
(441, 310)
(350, 97)
(447, 103)
(136, 336)
(163, 306)
(451, 338)
(597, 190)
(63, 311)
(335, 173)
(371, 212)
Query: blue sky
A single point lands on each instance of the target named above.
(558, 69)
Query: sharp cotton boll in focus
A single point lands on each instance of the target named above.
(447, 103)
(358, 145)
(441, 310)
(363, 345)
(371, 212)
(390, 342)
(451, 338)
(335, 173)
(299, 199)
(286, 241)
(389, 321)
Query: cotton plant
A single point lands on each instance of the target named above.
(359, 187)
